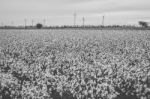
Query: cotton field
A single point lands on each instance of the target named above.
(74, 64)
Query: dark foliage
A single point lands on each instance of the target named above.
(143, 24)
(39, 26)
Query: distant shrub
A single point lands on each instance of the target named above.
(143, 24)
(39, 25)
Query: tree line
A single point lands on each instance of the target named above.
(142, 24)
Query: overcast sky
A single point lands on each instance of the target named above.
(60, 12)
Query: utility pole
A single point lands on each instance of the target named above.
(2, 25)
(75, 19)
(25, 23)
(32, 22)
(44, 21)
(12, 23)
(103, 20)
(83, 21)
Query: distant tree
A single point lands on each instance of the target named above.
(39, 25)
(143, 24)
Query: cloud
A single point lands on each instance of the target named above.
(102, 6)
(63, 10)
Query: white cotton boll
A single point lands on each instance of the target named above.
(148, 73)
(90, 91)
(47, 74)
(85, 92)
(113, 96)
